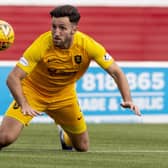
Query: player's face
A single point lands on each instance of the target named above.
(62, 32)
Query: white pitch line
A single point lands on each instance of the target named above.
(130, 151)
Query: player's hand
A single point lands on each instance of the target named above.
(132, 106)
(27, 110)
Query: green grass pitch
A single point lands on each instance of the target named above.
(111, 146)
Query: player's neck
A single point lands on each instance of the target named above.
(68, 44)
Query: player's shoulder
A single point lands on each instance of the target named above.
(82, 36)
(44, 40)
(45, 36)
(87, 41)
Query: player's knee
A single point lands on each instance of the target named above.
(5, 139)
(83, 146)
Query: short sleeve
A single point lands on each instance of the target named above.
(30, 57)
(98, 53)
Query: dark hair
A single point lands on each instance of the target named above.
(66, 10)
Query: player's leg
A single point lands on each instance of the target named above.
(79, 141)
(10, 130)
(72, 121)
(65, 140)
(12, 124)
(15, 120)
(69, 140)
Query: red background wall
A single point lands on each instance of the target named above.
(128, 33)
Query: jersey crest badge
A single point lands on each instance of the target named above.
(78, 59)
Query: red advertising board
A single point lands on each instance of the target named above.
(128, 33)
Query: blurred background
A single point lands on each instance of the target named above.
(135, 33)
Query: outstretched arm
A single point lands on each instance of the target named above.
(117, 74)
(14, 83)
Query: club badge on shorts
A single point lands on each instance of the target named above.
(15, 106)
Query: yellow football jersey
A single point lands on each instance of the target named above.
(51, 69)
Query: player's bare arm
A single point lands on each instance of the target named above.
(14, 84)
(115, 71)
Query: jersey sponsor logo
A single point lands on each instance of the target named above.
(78, 59)
(107, 57)
(55, 72)
(23, 61)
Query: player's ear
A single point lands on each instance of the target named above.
(74, 28)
